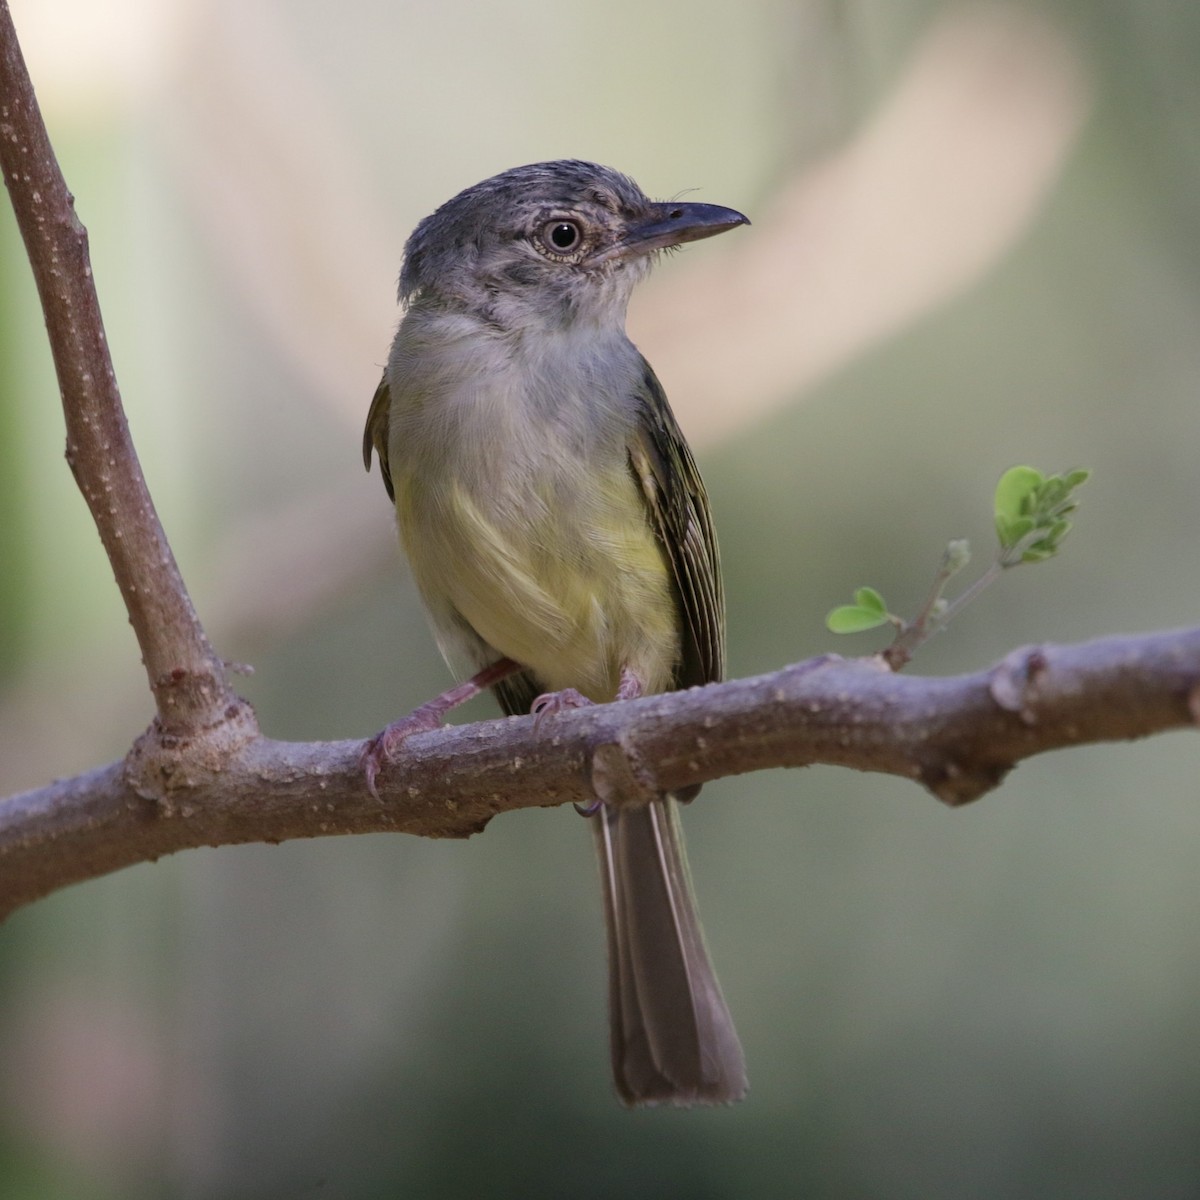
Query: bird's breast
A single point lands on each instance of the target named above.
(520, 516)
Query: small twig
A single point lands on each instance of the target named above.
(186, 676)
(934, 613)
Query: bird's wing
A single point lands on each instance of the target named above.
(677, 506)
(516, 694)
(376, 433)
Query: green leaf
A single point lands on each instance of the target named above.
(1010, 530)
(1030, 503)
(868, 599)
(852, 618)
(1016, 485)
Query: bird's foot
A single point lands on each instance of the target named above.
(384, 746)
(549, 703)
(631, 686)
(556, 702)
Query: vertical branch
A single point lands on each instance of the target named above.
(187, 678)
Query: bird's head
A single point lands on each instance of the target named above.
(549, 244)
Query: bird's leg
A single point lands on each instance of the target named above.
(382, 748)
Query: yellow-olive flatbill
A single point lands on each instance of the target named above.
(560, 536)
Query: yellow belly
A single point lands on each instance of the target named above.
(574, 586)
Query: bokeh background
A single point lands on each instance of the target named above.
(976, 243)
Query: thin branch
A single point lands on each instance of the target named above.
(958, 737)
(187, 678)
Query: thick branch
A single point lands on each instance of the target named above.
(958, 737)
(187, 678)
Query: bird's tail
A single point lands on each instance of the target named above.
(673, 1040)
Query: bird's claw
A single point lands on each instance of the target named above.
(385, 745)
(549, 703)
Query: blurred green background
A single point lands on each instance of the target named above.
(976, 243)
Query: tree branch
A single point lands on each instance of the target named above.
(957, 736)
(187, 678)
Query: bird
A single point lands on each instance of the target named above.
(560, 537)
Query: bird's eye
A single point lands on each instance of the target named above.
(562, 237)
